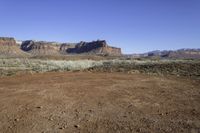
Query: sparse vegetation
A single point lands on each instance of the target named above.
(190, 68)
(36, 65)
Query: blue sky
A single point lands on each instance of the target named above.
(134, 25)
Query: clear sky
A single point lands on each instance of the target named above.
(134, 25)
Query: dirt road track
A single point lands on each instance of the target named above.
(98, 103)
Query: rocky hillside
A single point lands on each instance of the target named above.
(95, 47)
(184, 53)
(6, 41)
(49, 48)
(9, 48)
(40, 47)
(176, 54)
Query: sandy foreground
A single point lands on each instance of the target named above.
(99, 103)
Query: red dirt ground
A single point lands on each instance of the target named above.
(99, 103)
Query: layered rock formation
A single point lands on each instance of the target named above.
(49, 48)
(7, 41)
(184, 53)
(9, 48)
(176, 54)
(40, 47)
(95, 47)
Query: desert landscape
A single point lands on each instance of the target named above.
(92, 87)
(99, 102)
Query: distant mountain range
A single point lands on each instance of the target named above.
(9, 47)
(186, 53)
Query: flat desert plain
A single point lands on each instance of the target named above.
(98, 103)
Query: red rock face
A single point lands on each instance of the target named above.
(40, 48)
(5, 41)
(65, 46)
(9, 48)
(112, 51)
(95, 47)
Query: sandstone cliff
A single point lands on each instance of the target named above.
(95, 47)
(9, 48)
(49, 48)
(40, 47)
(7, 41)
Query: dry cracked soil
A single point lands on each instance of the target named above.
(99, 103)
